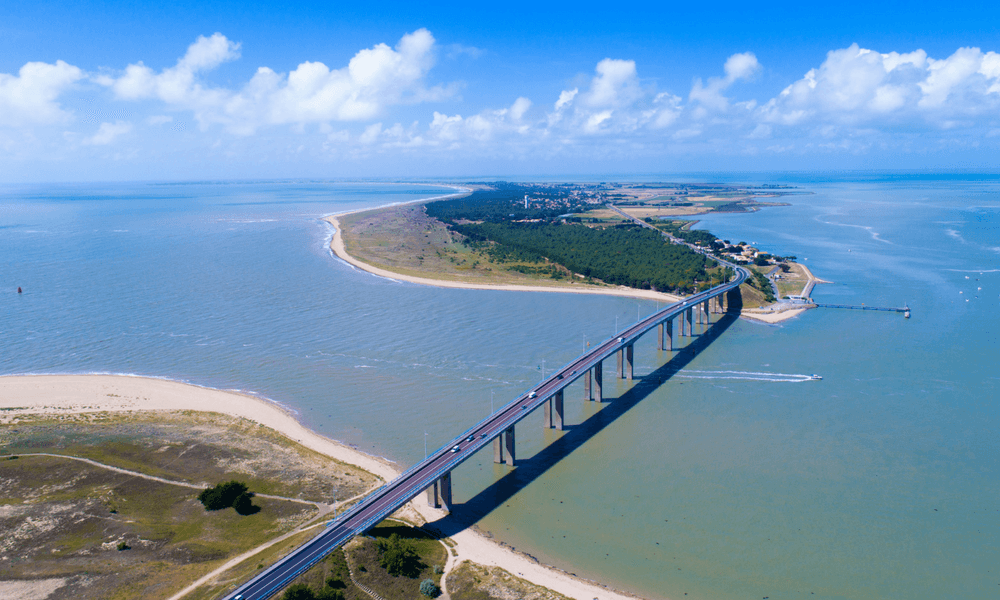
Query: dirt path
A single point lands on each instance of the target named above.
(322, 508)
(254, 551)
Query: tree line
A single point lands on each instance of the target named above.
(626, 255)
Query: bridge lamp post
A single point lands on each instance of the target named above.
(491, 402)
(425, 445)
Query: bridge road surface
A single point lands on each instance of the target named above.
(390, 497)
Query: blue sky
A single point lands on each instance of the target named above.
(178, 90)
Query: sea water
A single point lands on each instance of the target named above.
(718, 474)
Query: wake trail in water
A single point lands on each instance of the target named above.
(746, 376)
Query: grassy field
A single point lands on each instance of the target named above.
(194, 448)
(792, 282)
(67, 519)
(112, 535)
(404, 240)
(470, 581)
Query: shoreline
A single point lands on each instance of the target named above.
(54, 395)
(339, 249)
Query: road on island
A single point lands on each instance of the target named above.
(390, 497)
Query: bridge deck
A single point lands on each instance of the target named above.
(390, 497)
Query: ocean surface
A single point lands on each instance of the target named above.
(724, 474)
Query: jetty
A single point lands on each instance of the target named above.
(905, 309)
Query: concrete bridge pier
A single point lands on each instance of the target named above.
(444, 490)
(553, 411)
(587, 394)
(629, 361)
(706, 313)
(689, 314)
(503, 447)
(439, 494)
(667, 343)
(619, 360)
(433, 500)
(508, 438)
(598, 382)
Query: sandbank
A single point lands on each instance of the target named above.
(74, 394)
(774, 316)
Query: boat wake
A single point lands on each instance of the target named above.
(747, 376)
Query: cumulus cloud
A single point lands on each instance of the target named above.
(608, 104)
(374, 78)
(109, 132)
(709, 96)
(855, 84)
(31, 96)
(177, 84)
(616, 84)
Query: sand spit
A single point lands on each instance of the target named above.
(337, 245)
(74, 394)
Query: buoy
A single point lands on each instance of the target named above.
(18, 290)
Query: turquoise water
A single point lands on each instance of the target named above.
(728, 480)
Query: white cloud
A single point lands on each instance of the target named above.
(108, 132)
(177, 84)
(855, 84)
(159, 119)
(521, 106)
(616, 84)
(667, 108)
(709, 96)
(565, 97)
(31, 96)
(457, 50)
(374, 78)
(945, 76)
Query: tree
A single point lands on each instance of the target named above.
(328, 593)
(299, 591)
(397, 556)
(429, 589)
(231, 493)
(244, 505)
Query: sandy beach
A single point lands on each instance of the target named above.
(337, 245)
(75, 394)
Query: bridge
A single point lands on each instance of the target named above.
(433, 474)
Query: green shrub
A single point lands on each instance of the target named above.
(299, 591)
(429, 589)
